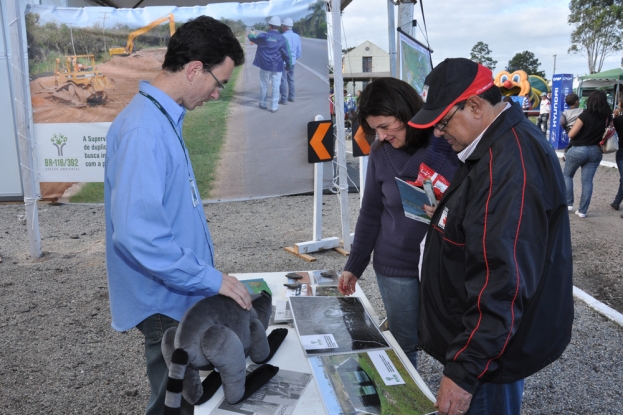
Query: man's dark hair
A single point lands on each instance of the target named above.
(203, 39)
(571, 99)
(492, 95)
(392, 97)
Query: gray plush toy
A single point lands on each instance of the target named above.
(216, 333)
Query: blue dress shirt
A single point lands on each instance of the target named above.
(294, 41)
(159, 252)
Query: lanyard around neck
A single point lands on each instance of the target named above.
(166, 114)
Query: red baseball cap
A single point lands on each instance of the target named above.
(452, 81)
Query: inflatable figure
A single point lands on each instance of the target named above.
(519, 83)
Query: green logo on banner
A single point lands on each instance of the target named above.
(59, 140)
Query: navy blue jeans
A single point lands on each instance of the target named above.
(588, 158)
(619, 159)
(153, 328)
(401, 298)
(497, 399)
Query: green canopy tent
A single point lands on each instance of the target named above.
(611, 81)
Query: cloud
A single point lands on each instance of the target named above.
(455, 26)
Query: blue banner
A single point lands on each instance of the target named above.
(562, 85)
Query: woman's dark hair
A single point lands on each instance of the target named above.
(571, 99)
(597, 105)
(392, 97)
(202, 39)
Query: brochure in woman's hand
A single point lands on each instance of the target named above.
(413, 201)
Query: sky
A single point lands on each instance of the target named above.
(455, 26)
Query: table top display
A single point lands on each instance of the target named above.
(360, 378)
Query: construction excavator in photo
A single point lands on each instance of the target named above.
(78, 82)
(129, 46)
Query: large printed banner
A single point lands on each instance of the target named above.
(85, 66)
(562, 84)
(72, 150)
(415, 62)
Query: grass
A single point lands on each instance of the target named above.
(204, 132)
(205, 129)
(90, 193)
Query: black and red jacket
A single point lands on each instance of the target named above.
(497, 292)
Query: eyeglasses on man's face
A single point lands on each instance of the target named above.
(440, 126)
(218, 83)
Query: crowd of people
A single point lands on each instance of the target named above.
(484, 287)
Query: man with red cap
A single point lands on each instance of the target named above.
(497, 303)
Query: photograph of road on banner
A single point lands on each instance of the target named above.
(85, 66)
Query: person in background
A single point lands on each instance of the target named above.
(287, 77)
(159, 251)
(497, 268)
(585, 152)
(544, 109)
(385, 106)
(568, 117)
(618, 126)
(272, 51)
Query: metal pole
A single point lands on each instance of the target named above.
(18, 57)
(391, 18)
(554, 73)
(338, 88)
(318, 179)
(71, 34)
(405, 16)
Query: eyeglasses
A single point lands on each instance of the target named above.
(218, 83)
(440, 126)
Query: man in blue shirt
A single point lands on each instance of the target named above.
(287, 77)
(159, 252)
(272, 52)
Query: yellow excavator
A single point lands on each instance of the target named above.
(129, 46)
(78, 82)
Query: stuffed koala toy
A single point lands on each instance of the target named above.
(216, 333)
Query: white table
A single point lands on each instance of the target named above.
(290, 355)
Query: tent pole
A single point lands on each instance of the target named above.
(392, 39)
(19, 73)
(338, 88)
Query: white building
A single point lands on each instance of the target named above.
(362, 64)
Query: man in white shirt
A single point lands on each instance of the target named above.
(286, 89)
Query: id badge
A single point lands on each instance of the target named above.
(193, 193)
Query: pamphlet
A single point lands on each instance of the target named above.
(375, 382)
(282, 312)
(332, 325)
(328, 291)
(325, 277)
(413, 201)
(256, 286)
(277, 397)
(301, 287)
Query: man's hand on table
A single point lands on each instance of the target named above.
(232, 288)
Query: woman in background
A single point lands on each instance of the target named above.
(585, 151)
(384, 108)
(618, 126)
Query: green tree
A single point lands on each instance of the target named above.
(598, 30)
(482, 54)
(317, 20)
(527, 62)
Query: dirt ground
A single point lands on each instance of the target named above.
(125, 71)
(60, 355)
